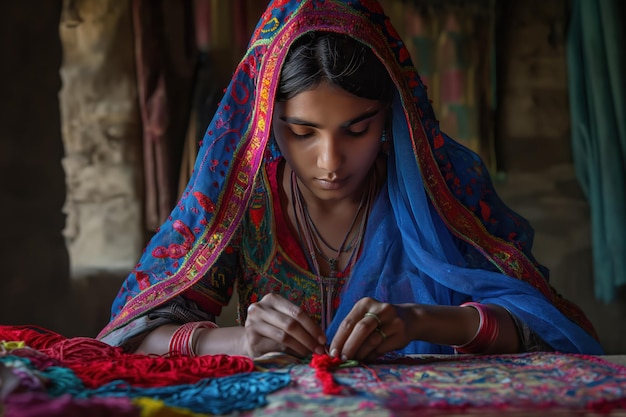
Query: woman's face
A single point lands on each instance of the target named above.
(330, 139)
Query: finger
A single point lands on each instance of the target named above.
(296, 323)
(362, 341)
(392, 335)
(375, 345)
(355, 330)
(290, 309)
(347, 326)
(367, 337)
(265, 333)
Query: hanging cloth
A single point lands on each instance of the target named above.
(595, 56)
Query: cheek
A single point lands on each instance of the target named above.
(367, 153)
(361, 157)
(371, 148)
(290, 151)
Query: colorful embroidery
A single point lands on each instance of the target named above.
(439, 385)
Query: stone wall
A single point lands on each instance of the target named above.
(534, 115)
(101, 137)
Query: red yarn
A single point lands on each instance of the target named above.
(97, 363)
(323, 363)
(34, 337)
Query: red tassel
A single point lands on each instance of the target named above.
(323, 363)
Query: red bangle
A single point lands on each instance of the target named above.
(182, 341)
(487, 330)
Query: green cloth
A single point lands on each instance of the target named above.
(596, 64)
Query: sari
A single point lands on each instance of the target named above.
(437, 232)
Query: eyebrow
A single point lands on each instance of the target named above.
(298, 121)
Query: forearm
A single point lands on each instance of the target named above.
(206, 341)
(451, 325)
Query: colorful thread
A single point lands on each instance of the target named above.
(67, 375)
(209, 395)
(157, 408)
(323, 363)
(97, 363)
(37, 404)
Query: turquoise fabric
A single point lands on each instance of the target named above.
(596, 63)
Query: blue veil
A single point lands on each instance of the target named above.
(411, 256)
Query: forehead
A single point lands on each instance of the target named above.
(326, 102)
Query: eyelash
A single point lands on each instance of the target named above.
(298, 136)
(359, 133)
(348, 132)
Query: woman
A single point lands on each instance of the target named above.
(348, 223)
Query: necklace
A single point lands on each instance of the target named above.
(319, 236)
(310, 235)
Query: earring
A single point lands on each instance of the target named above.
(384, 143)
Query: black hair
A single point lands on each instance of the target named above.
(339, 59)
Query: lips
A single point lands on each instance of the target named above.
(330, 184)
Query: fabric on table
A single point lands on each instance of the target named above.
(438, 385)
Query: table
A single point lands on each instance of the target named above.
(43, 373)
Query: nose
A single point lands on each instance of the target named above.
(330, 155)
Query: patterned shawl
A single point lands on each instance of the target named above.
(440, 225)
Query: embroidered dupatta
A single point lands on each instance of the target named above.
(438, 199)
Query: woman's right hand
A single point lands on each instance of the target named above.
(276, 325)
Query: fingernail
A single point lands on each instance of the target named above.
(344, 358)
(334, 353)
(319, 350)
(322, 340)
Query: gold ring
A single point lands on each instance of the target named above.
(369, 314)
(381, 333)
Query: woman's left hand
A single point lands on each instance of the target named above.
(370, 329)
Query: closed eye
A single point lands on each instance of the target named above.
(359, 128)
(301, 135)
(358, 133)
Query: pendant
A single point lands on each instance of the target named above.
(333, 267)
(327, 289)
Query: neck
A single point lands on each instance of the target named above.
(331, 241)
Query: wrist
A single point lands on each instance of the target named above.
(443, 325)
(486, 332)
(224, 340)
(244, 343)
(184, 340)
(416, 318)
